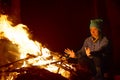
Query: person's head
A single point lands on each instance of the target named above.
(95, 27)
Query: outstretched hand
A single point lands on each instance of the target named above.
(70, 52)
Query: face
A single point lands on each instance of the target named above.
(94, 32)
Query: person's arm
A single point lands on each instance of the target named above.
(81, 53)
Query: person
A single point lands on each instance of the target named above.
(95, 49)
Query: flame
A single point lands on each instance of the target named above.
(20, 36)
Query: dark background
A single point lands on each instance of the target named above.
(60, 24)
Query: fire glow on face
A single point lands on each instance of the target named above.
(20, 36)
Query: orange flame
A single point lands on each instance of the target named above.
(19, 35)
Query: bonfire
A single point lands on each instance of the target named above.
(20, 53)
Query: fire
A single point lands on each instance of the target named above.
(20, 36)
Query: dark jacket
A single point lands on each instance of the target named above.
(100, 48)
(100, 52)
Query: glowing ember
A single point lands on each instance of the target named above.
(42, 56)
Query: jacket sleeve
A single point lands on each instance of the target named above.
(81, 53)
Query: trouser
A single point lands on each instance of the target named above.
(99, 68)
(95, 66)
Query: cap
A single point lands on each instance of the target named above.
(96, 23)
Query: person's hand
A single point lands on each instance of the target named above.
(70, 52)
(87, 50)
